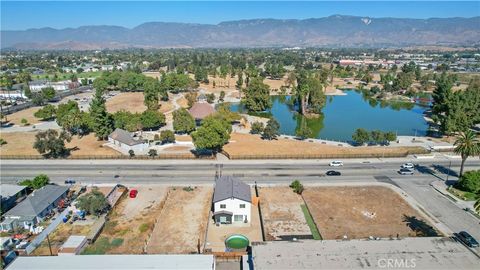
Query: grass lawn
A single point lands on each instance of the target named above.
(102, 245)
(463, 195)
(66, 76)
(313, 228)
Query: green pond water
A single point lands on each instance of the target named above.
(342, 115)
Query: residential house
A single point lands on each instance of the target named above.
(126, 142)
(200, 110)
(232, 201)
(10, 195)
(34, 208)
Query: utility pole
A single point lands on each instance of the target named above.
(448, 172)
(49, 245)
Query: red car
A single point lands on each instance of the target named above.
(133, 193)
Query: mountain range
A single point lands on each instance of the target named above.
(332, 31)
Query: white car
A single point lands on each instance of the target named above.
(336, 163)
(407, 166)
(405, 172)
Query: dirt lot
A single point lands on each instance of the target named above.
(59, 236)
(253, 145)
(131, 222)
(21, 143)
(217, 234)
(17, 117)
(281, 212)
(182, 223)
(360, 212)
(132, 102)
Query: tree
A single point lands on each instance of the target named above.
(297, 187)
(46, 113)
(377, 136)
(224, 112)
(38, 181)
(257, 95)
(467, 144)
(167, 136)
(222, 96)
(361, 136)
(469, 182)
(257, 128)
(210, 97)
(390, 136)
(271, 131)
(48, 93)
(151, 91)
(70, 118)
(212, 135)
(50, 143)
(102, 121)
(191, 98)
(131, 153)
(93, 202)
(304, 132)
(309, 93)
(239, 82)
(152, 119)
(24, 122)
(183, 122)
(152, 153)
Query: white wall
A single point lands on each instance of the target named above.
(233, 205)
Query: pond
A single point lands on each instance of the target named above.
(342, 115)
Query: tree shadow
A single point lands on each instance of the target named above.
(444, 170)
(424, 169)
(420, 227)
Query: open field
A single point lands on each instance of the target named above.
(59, 236)
(282, 213)
(17, 117)
(21, 143)
(66, 76)
(133, 102)
(182, 222)
(130, 223)
(217, 234)
(361, 212)
(247, 145)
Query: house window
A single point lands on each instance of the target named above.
(223, 206)
(242, 205)
(238, 218)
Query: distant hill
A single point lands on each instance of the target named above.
(332, 31)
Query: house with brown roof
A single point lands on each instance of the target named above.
(200, 110)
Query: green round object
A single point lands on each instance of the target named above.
(237, 241)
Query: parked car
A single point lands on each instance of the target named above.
(133, 193)
(407, 166)
(69, 182)
(466, 238)
(333, 173)
(336, 163)
(405, 172)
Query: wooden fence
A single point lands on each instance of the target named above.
(158, 157)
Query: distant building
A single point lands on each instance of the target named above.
(200, 110)
(38, 85)
(34, 208)
(232, 201)
(125, 140)
(10, 195)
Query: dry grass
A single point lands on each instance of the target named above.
(252, 145)
(21, 143)
(359, 212)
(128, 101)
(17, 117)
(281, 213)
(59, 236)
(182, 223)
(177, 149)
(183, 138)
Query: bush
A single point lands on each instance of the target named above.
(131, 153)
(38, 182)
(2, 141)
(361, 136)
(142, 228)
(257, 128)
(271, 131)
(167, 136)
(297, 187)
(25, 122)
(469, 182)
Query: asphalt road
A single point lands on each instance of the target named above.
(263, 172)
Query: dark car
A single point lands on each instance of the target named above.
(332, 173)
(69, 182)
(466, 238)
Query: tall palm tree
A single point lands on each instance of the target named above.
(467, 144)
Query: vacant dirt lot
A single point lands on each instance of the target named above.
(21, 143)
(281, 212)
(17, 117)
(131, 222)
(132, 102)
(248, 145)
(182, 222)
(360, 212)
(59, 236)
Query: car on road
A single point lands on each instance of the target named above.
(333, 173)
(336, 163)
(69, 182)
(405, 172)
(133, 193)
(466, 238)
(409, 166)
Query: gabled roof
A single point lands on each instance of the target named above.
(38, 201)
(7, 190)
(227, 187)
(124, 137)
(201, 110)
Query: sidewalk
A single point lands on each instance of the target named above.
(441, 187)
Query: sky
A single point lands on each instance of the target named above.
(20, 15)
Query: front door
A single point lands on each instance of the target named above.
(223, 219)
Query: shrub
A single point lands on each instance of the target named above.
(470, 182)
(257, 128)
(167, 136)
(2, 141)
(297, 187)
(131, 153)
(142, 228)
(25, 122)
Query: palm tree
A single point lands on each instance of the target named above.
(476, 206)
(467, 144)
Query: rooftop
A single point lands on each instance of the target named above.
(201, 110)
(424, 252)
(74, 241)
(227, 187)
(37, 201)
(7, 190)
(124, 136)
(106, 262)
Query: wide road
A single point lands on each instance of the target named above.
(196, 172)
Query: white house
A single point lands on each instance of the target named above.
(232, 201)
(126, 142)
